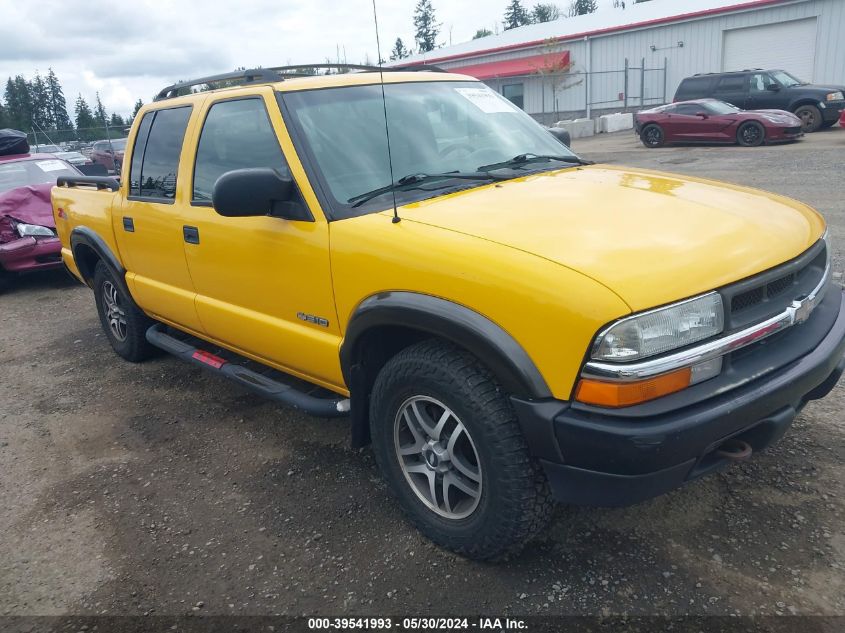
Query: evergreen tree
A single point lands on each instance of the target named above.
(516, 15)
(138, 105)
(116, 120)
(482, 33)
(582, 7)
(42, 118)
(85, 122)
(545, 12)
(4, 119)
(18, 104)
(100, 112)
(58, 106)
(399, 51)
(426, 27)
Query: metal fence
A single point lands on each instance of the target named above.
(554, 96)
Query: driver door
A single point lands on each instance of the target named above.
(263, 284)
(685, 123)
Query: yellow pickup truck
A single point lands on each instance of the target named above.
(506, 323)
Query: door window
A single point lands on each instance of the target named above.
(731, 83)
(689, 109)
(760, 82)
(514, 94)
(236, 135)
(155, 161)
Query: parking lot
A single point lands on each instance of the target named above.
(158, 489)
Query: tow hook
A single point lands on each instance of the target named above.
(735, 450)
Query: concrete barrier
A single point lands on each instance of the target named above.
(616, 122)
(579, 128)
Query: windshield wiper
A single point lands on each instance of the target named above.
(412, 181)
(526, 159)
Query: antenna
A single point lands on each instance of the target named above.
(396, 217)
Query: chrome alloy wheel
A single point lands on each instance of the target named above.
(115, 315)
(437, 457)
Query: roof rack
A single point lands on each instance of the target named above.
(279, 73)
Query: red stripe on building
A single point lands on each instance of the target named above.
(554, 62)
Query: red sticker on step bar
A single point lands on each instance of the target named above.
(209, 359)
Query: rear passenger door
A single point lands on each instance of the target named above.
(148, 228)
(263, 283)
(733, 89)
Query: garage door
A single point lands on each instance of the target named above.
(790, 46)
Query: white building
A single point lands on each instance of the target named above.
(616, 59)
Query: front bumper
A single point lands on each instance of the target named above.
(29, 253)
(832, 110)
(785, 133)
(610, 458)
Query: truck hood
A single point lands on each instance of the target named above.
(651, 237)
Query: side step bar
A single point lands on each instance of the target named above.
(275, 390)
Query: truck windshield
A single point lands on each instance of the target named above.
(435, 127)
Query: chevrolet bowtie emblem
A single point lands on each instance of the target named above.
(801, 310)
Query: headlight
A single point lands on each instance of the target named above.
(33, 230)
(835, 96)
(661, 330)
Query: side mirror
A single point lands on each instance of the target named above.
(773, 87)
(562, 135)
(257, 191)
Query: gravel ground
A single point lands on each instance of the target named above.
(158, 489)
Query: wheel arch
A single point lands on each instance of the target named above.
(384, 324)
(803, 101)
(88, 249)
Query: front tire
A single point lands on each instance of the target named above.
(124, 324)
(751, 134)
(449, 445)
(652, 136)
(811, 118)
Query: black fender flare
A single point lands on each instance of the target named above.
(802, 101)
(491, 344)
(88, 238)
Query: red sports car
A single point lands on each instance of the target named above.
(714, 121)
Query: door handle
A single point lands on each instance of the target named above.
(191, 234)
(128, 225)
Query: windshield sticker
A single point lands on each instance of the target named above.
(50, 165)
(485, 100)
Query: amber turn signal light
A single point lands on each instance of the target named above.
(624, 394)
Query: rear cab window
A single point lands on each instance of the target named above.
(155, 158)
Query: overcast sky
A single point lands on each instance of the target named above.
(131, 49)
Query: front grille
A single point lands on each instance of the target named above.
(792, 130)
(769, 293)
(779, 286)
(747, 299)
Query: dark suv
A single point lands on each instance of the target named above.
(816, 106)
